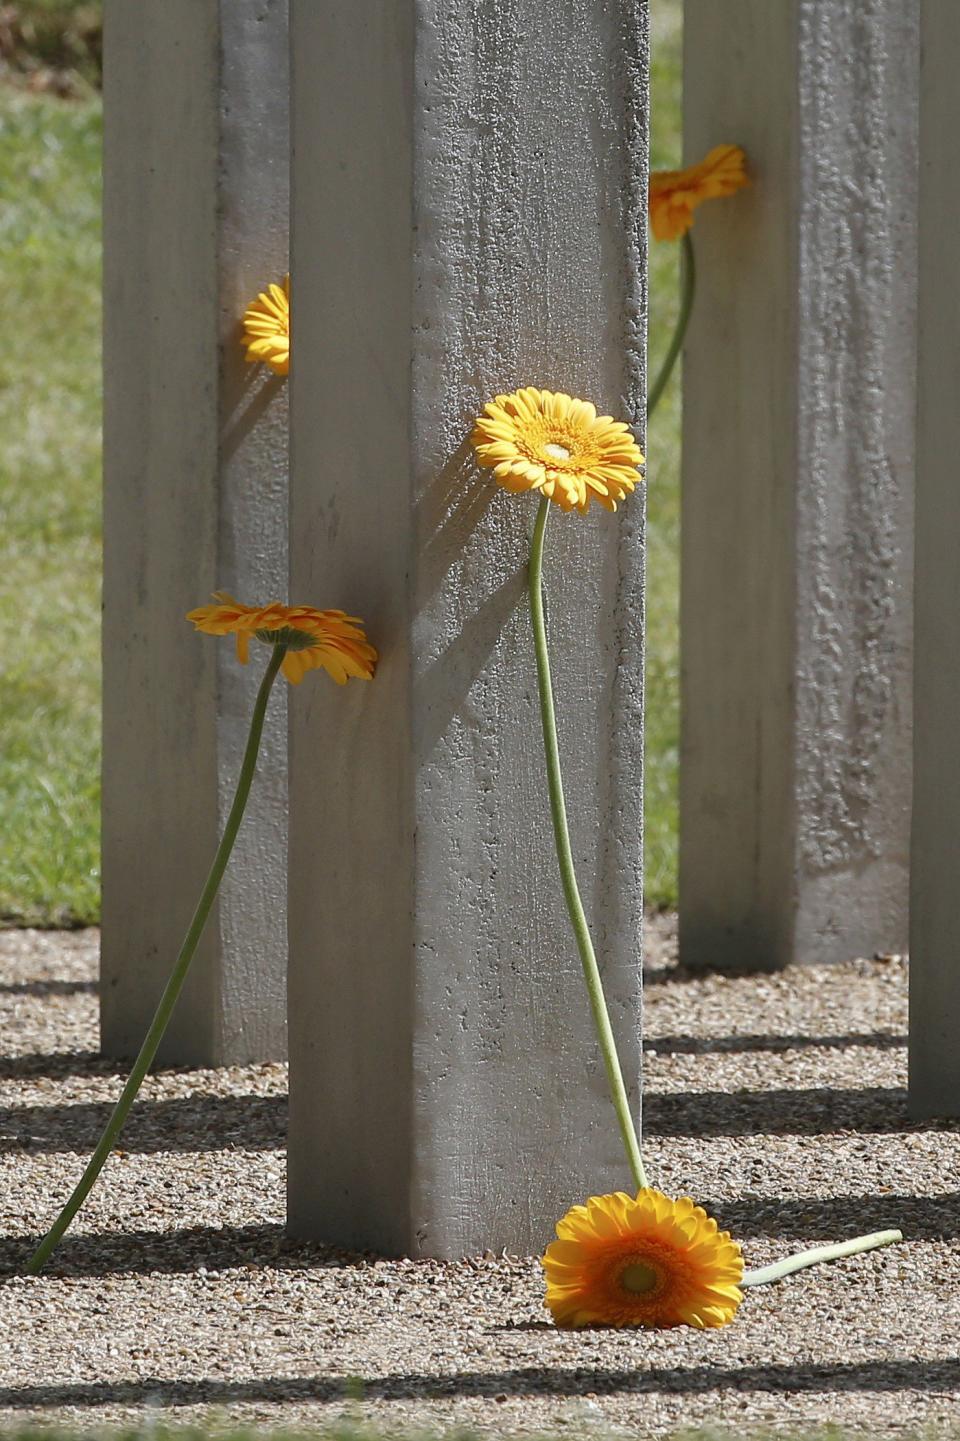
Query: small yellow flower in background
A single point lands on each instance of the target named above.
(644, 1262)
(548, 442)
(675, 194)
(315, 638)
(266, 328)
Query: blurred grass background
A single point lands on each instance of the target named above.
(52, 46)
(662, 721)
(50, 137)
(49, 466)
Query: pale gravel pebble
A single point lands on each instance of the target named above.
(777, 1101)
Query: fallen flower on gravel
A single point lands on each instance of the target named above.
(644, 1261)
(657, 1263)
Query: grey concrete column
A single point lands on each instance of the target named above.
(196, 183)
(468, 216)
(934, 916)
(797, 485)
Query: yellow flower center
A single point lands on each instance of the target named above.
(638, 1278)
(556, 452)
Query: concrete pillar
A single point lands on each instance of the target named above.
(934, 920)
(797, 485)
(196, 180)
(468, 216)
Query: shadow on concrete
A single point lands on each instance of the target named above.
(257, 390)
(443, 688)
(190, 1123)
(895, 1374)
(447, 512)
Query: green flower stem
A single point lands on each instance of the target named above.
(802, 1259)
(175, 984)
(591, 972)
(688, 283)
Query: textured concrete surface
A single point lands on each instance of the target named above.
(934, 928)
(196, 190)
(474, 220)
(798, 466)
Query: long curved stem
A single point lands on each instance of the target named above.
(179, 974)
(688, 284)
(578, 919)
(802, 1259)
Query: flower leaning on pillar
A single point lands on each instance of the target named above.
(618, 1260)
(302, 639)
(673, 197)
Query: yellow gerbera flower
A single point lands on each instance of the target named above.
(645, 1262)
(675, 194)
(266, 328)
(314, 638)
(552, 443)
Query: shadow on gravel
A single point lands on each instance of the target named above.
(190, 1123)
(189, 1250)
(834, 1218)
(48, 988)
(213, 1248)
(267, 1247)
(734, 1045)
(893, 1375)
(58, 1065)
(816, 1111)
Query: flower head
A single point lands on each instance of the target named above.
(675, 194)
(266, 328)
(540, 440)
(645, 1262)
(314, 638)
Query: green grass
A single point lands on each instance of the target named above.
(50, 487)
(50, 504)
(663, 492)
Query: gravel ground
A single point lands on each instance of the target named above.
(778, 1102)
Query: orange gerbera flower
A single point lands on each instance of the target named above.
(266, 328)
(550, 442)
(675, 194)
(314, 638)
(644, 1262)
